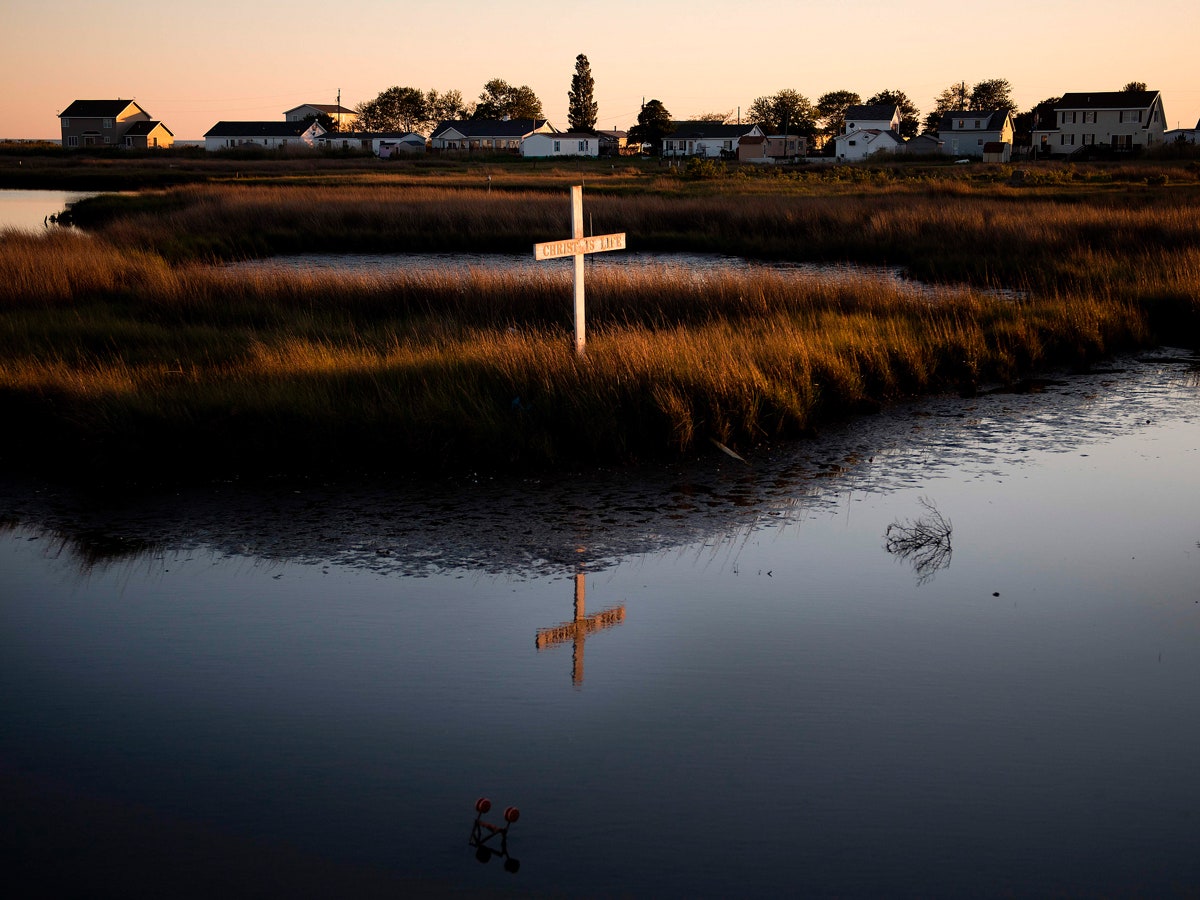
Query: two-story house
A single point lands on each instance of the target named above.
(343, 118)
(707, 139)
(1120, 121)
(868, 130)
(108, 123)
(974, 132)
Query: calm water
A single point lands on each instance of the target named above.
(301, 687)
(29, 210)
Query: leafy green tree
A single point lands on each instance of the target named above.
(831, 110)
(444, 107)
(653, 124)
(951, 99)
(1134, 87)
(500, 100)
(787, 111)
(395, 109)
(910, 116)
(581, 104)
(994, 93)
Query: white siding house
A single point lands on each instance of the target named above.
(486, 135)
(968, 132)
(570, 143)
(271, 135)
(343, 117)
(869, 130)
(1119, 121)
(381, 143)
(707, 139)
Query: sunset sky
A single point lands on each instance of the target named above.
(192, 64)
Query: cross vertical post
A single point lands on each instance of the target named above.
(577, 246)
(577, 234)
(576, 631)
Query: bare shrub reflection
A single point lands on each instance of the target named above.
(924, 541)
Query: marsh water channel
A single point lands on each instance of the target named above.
(953, 648)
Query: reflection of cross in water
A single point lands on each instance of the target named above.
(578, 630)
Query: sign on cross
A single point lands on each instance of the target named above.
(577, 245)
(577, 631)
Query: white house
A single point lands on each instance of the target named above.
(1183, 135)
(709, 139)
(486, 134)
(343, 117)
(1120, 121)
(271, 135)
(381, 143)
(570, 143)
(969, 132)
(869, 130)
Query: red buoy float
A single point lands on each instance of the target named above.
(511, 814)
(482, 805)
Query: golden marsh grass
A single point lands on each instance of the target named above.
(119, 360)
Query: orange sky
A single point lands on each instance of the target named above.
(192, 64)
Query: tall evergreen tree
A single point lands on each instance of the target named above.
(582, 108)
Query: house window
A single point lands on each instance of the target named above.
(976, 123)
(583, 145)
(729, 145)
(72, 140)
(557, 146)
(1089, 117)
(979, 142)
(853, 143)
(108, 123)
(66, 123)
(155, 141)
(961, 123)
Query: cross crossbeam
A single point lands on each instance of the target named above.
(577, 246)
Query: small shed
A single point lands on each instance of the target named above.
(997, 152)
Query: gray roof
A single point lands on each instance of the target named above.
(711, 130)
(490, 127)
(880, 112)
(97, 109)
(258, 129)
(145, 127)
(1107, 100)
(331, 109)
(990, 119)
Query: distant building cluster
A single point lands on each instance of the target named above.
(1117, 121)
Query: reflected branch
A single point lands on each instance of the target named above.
(924, 542)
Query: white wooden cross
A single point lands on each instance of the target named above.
(577, 245)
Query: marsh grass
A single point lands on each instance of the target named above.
(116, 362)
